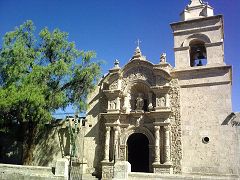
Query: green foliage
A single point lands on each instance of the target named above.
(41, 74)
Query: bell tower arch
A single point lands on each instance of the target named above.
(199, 37)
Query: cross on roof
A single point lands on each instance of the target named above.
(138, 42)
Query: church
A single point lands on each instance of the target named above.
(149, 121)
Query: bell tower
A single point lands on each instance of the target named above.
(205, 93)
(198, 37)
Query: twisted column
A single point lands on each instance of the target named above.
(107, 141)
(157, 144)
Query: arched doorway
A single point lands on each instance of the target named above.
(138, 152)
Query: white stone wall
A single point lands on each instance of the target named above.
(92, 141)
(203, 109)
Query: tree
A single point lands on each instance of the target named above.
(39, 75)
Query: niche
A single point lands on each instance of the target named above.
(139, 97)
(198, 55)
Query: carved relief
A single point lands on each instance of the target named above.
(113, 104)
(139, 102)
(114, 85)
(107, 172)
(176, 133)
(122, 153)
(138, 73)
(161, 102)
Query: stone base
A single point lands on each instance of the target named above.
(163, 168)
(121, 170)
(61, 168)
(107, 170)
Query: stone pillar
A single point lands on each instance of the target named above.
(124, 103)
(150, 105)
(107, 141)
(167, 100)
(167, 152)
(118, 103)
(109, 104)
(157, 145)
(116, 129)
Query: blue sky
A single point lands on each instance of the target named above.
(111, 27)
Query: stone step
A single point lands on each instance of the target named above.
(83, 177)
(88, 177)
(152, 176)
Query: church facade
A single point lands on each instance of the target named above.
(159, 119)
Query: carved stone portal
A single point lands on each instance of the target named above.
(142, 106)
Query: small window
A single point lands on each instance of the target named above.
(198, 55)
(205, 140)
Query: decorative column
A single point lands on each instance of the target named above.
(116, 128)
(157, 145)
(107, 141)
(167, 153)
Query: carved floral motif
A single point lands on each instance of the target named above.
(138, 73)
(176, 133)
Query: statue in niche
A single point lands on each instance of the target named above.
(113, 104)
(161, 102)
(139, 102)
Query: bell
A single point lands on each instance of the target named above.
(200, 63)
(200, 54)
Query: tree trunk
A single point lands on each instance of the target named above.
(29, 131)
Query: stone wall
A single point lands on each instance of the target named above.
(51, 145)
(203, 109)
(18, 172)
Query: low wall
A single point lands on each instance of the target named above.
(19, 172)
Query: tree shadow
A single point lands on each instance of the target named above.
(52, 143)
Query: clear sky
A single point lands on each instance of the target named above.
(111, 27)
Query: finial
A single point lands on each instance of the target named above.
(138, 53)
(163, 58)
(116, 64)
(197, 9)
(195, 2)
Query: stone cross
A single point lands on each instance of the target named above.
(138, 42)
